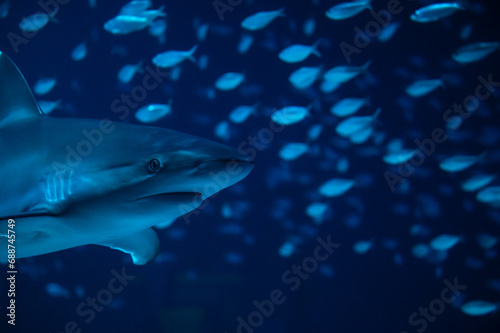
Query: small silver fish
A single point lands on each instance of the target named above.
(435, 12)
(298, 52)
(423, 87)
(172, 58)
(475, 51)
(347, 9)
(261, 20)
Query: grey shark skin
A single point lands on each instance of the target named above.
(69, 182)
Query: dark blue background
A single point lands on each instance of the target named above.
(198, 290)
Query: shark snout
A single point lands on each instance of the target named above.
(196, 165)
(214, 176)
(214, 167)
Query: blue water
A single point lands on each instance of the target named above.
(222, 271)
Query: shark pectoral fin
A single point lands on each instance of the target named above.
(142, 246)
(16, 100)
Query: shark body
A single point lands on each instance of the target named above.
(69, 182)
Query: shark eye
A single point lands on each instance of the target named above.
(154, 165)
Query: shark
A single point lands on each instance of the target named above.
(68, 182)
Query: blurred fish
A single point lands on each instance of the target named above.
(479, 308)
(175, 73)
(486, 240)
(314, 132)
(304, 77)
(153, 112)
(460, 162)
(135, 7)
(335, 187)
(172, 58)
(352, 220)
(419, 230)
(290, 115)
(341, 74)
(361, 247)
(125, 24)
(127, 72)
(388, 32)
(201, 30)
(79, 52)
(37, 21)
(56, 290)
(293, 150)
(353, 125)
(208, 93)
(348, 106)
(133, 16)
(444, 242)
(399, 156)
(474, 263)
(466, 31)
(49, 106)
(157, 29)
(174, 233)
(226, 210)
(490, 195)
(475, 51)
(342, 165)
(241, 113)
(395, 144)
(298, 52)
(476, 182)
(79, 291)
(398, 259)
(316, 211)
(287, 249)
(309, 26)
(44, 86)
(423, 87)
(222, 131)
(420, 250)
(203, 61)
(233, 258)
(229, 81)
(347, 9)
(261, 20)
(326, 270)
(328, 87)
(361, 136)
(435, 12)
(245, 43)
(4, 9)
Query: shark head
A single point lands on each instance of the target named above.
(167, 161)
(148, 170)
(87, 181)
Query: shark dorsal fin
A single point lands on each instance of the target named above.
(16, 100)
